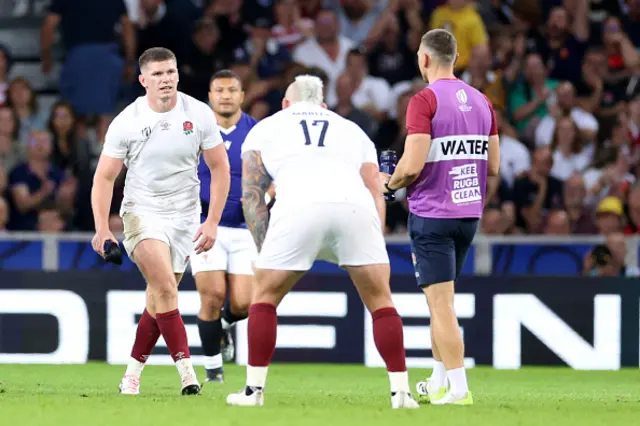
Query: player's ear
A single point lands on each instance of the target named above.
(324, 105)
(285, 103)
(141, 80)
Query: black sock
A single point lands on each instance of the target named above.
(229, 316)
(210, 335)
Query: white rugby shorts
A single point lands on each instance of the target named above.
(177, 233)
(341, 233)
(233, 252)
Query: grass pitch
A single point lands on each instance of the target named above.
(327, 395)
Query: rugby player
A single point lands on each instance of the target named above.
(329, 207)
(451, 148)
(159, 137)
(232, 256)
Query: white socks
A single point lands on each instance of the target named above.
(399, 381)
(458, 382)
(185, 367)
(211, 362)
(134, 368)
(256, 376)
(438, 375)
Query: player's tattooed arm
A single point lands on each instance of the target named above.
(255, 183)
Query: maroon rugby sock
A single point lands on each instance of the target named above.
(388, 337)
(147, 336)
(172, 328)
(263, 327)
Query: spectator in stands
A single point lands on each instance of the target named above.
(563, 44)
(537, 192)
(558, 223)
(394, 57)
(578, 212)
(327, 51)
(5, 69)
(461, 18)
(49, 219)
(345, 90)
(597, 94)
(609, 259)
(33, 183)
(609, 215)
(290, 27)
(228, 16)
(622, 56)
(372, 94)
(22, 99)
(310, 8)
(529, 99)
(392, 132)
(609, 174)
(480, 75)
(618, 246)
(565, 105)
(361, 21)
(492, 222)
(4, 214)
(11, 152)
(201, 59)
(569, 155)
(163, 23)
(515, 158)
(634, 120)
(91, 77)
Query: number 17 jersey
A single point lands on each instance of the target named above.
(313, 155)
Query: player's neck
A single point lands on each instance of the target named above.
(229, 122)
(162, 105)
(441, 74)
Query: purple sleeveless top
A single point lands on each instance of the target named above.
(453, 182)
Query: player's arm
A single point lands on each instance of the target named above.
(109, 166)
(369, 170)
(418, 142)
(255, 183)
(217, 160)
(493, 160)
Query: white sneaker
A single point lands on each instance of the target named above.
(403, 400)
(130, 385)
(241, 399)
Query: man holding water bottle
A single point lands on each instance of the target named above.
(451, 149)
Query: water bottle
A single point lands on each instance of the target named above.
(388, 160)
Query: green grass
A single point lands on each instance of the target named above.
(327, 395)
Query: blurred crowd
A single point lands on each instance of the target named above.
(563, 76)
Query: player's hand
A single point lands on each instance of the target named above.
(384, 179)
(100, 239)
(206, 237)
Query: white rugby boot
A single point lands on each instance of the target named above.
(248, 397)
(190, 384)
(129, 385)
(403, 400)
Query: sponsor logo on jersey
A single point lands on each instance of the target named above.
(187, 127)
(165, 125)
(462, 97)
(146, 132)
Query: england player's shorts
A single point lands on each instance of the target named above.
(439, 247)
(341, 233)
(176, 233)
(234, 252)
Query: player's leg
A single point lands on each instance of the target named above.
(157, 264)
(269, 289)
(359, 247)
(290, 248)
(209, 272)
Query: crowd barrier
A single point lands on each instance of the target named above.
(507, 321)
(530, 255)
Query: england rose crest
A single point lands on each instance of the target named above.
(187, 127)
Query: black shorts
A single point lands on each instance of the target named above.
(439, 247)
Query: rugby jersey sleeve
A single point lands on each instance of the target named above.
(116, 141)
(210, 136)
(420, 112)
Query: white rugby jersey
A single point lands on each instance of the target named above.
(161, 152)
(313, 155)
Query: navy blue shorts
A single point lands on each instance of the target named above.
(439, 247)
